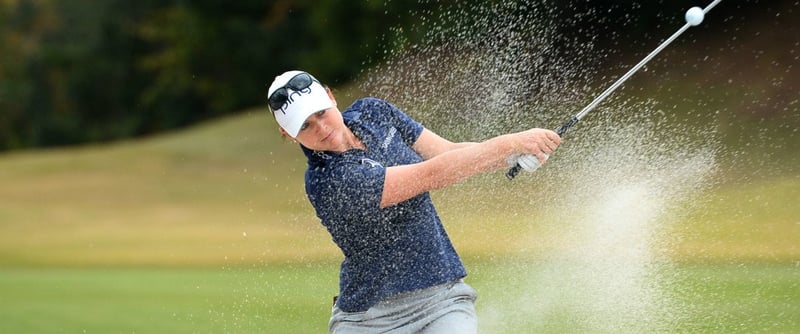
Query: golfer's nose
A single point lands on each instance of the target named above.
(317, 125)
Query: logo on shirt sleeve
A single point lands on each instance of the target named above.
(388, 139)
(370, 162)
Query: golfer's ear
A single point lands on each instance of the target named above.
(286, 134)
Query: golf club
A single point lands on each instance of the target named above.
(694, 16)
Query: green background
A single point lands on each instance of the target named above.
(206, 229)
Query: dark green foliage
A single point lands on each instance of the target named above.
(87, 71)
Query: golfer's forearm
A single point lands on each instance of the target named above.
(456, 165)
(429, 145)
(447, 168)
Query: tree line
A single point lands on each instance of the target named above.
(82, 71)
(87, 71)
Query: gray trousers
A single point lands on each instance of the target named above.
(447, 308)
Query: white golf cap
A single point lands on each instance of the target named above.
(300, 103)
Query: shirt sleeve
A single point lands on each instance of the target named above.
(408, 128)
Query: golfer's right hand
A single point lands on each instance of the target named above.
(537, 142)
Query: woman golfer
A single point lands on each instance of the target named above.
(370, 169)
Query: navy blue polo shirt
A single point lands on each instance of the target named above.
(387, 251)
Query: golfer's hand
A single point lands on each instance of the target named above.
(536, 142)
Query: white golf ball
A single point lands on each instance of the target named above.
(694, 16)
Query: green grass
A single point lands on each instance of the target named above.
(231, 192)
(208, 230)
(213, 194)
(755, 221)
(740, 297)
(711, 297)
(272, 298)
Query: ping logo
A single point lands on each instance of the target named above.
(294, 94)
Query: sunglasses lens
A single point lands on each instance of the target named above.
(296, 83)
(300, 81)
(277, 99)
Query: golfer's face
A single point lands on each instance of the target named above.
(324, 131)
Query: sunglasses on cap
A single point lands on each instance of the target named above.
(296, 83)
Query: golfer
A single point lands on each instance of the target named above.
(370, 169)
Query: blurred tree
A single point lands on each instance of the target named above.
(21, 38)
(80, 71)
(83, 70)
(66, 73)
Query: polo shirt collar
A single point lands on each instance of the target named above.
(352, 119)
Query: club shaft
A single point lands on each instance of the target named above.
(711, 5)
(574, 120)
(630, 73)
(638, 66)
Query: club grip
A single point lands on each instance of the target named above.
(513, 171)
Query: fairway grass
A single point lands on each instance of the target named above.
(232, 192)
(208, 230)
(272, 299)
(713, 298)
